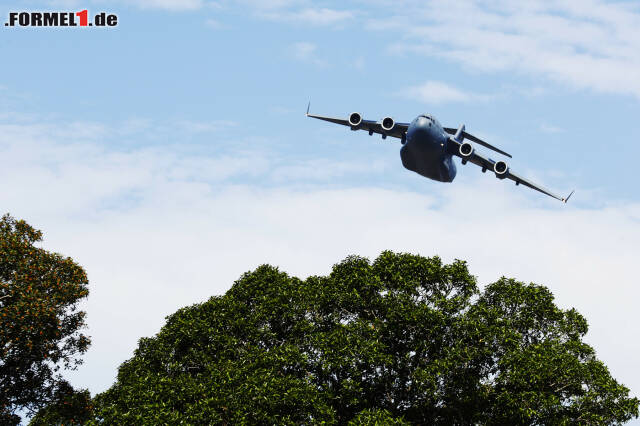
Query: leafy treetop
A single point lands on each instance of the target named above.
(403, 340)
(39, 320)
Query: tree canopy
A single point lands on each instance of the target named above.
(67, 407)
(401, 340)
(39, 320)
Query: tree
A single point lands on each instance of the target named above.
(402, 340)
(39, 320)
(67, 407)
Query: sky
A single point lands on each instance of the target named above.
(170, 154)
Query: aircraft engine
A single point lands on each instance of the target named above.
(387, 124)
(466, 149)
(500, 168)
(355, 119)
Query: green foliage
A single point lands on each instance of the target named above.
(375, 417)
(68, 407)
(402, 340)
(39, 320)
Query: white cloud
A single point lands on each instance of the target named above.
(589, 44)
(322, 16)
(303, 50)
(437, 92)
(306, 52)
(297, 12)
(214, 24)
(172, 5)
(63, 3)
(158, 228)
(192, 126)
(269, 4)
(169, 5)
(323, 170)
(319, 17)
(547, 128)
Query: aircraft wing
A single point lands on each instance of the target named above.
(479, 141)
(398, 130)
(489, 164)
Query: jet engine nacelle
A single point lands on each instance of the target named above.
(387, 124)
(466, 150)
(355, 119)
(500, 169)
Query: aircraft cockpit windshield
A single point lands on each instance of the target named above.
(431, 119)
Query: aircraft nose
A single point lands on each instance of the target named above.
(422, 125)
(424, 121)
(422, 131)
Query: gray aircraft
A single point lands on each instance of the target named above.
(427, 148)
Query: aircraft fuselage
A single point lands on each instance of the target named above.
(425, 151)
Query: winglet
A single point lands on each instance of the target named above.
(308, 106)
(569, 196)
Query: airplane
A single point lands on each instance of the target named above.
(428, 148)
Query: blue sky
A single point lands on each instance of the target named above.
(170, 154)
(551, 85)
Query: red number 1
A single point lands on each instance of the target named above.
(83, 15)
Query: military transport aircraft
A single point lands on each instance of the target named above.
(427, 148)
